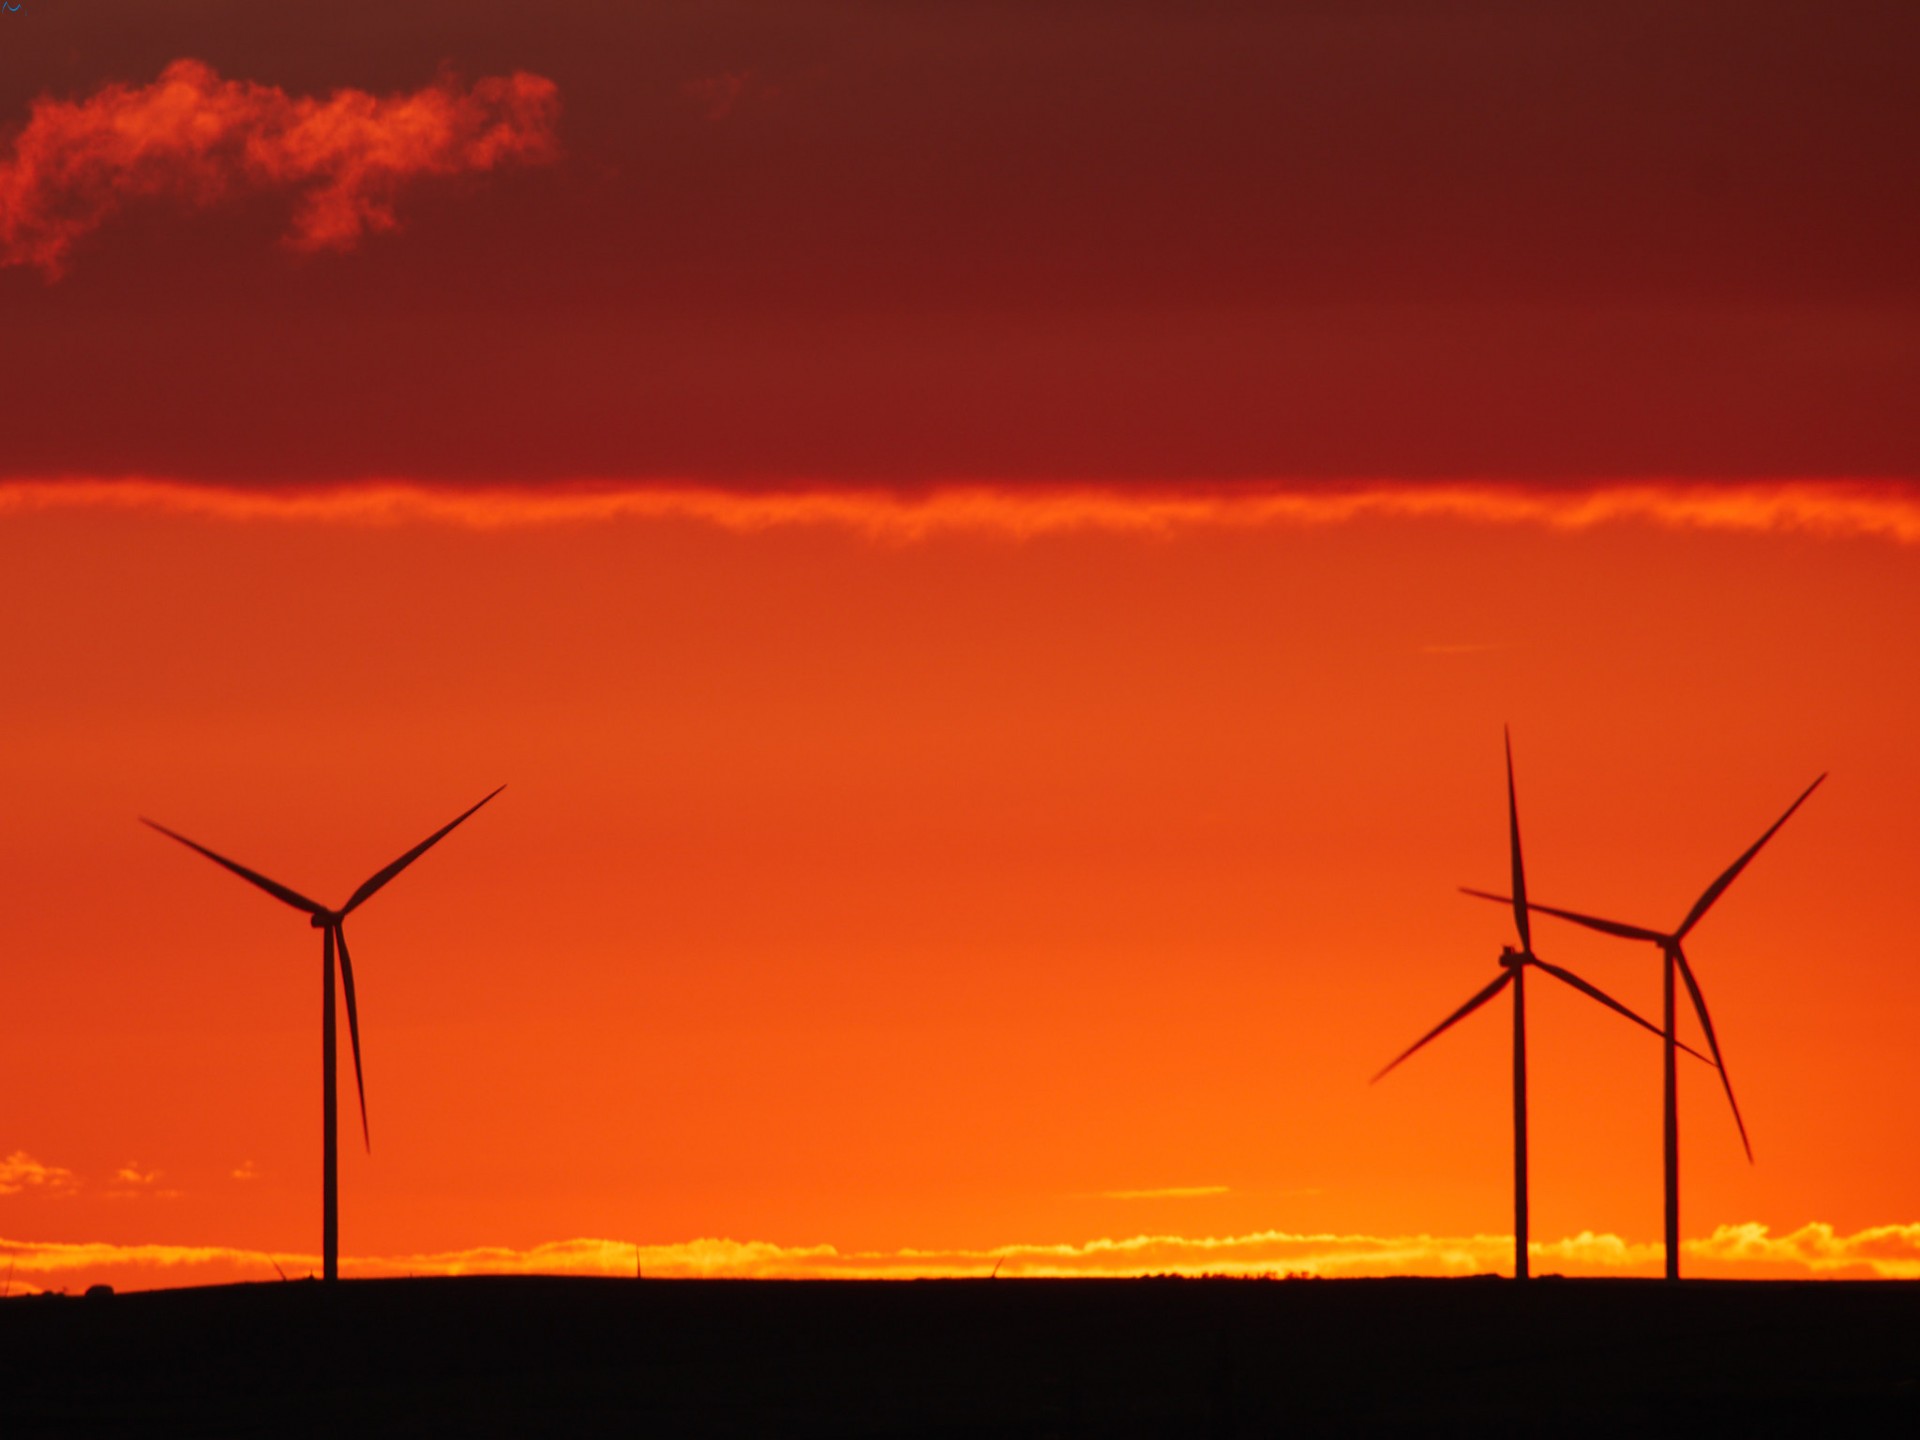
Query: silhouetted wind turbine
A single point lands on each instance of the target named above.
(331, 925)
(1675, 958)
(1513, 964)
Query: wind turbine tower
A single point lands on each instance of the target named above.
(333, 937)
(1513, 972)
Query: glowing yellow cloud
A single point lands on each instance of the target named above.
(1740, 1251)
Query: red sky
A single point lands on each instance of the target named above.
(991, 546)
(885, 242)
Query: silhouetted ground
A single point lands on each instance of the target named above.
(506, 1356)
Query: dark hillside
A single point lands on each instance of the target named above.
(1020, 1358)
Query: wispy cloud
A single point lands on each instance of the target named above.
(1170, 1192)
(720, 96)
(196, 140)
(1882, 509)
(20, 1173)
(1736, 1251)
(131, 1180)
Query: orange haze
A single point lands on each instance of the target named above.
(991, 546)
(944, 894)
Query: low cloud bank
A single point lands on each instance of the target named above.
(1749, 1251)
(1881, 509)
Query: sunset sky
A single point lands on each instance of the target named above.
(991, 546)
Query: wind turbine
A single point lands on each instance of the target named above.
(331, 925)
(1675, 958)
(1513, 966)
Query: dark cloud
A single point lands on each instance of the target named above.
(906, 242)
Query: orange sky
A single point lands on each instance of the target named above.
(991, 546)
(940, 892)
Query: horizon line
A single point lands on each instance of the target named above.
(1731, 1251)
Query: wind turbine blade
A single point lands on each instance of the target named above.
(1713, 891)
(353, 1029)
(1592, 922)
(1465, 1010)
(1519, 866)
(365, 892)
(1595, 992)
(1706, 1024)
(272, 887)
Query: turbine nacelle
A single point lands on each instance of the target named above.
(321, 919)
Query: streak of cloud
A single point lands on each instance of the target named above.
(1877, 509)
(1171, 1192)
(195, 139)
(1748, 1251)
(131, 1180)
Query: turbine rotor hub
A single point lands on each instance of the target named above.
(322, 920)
